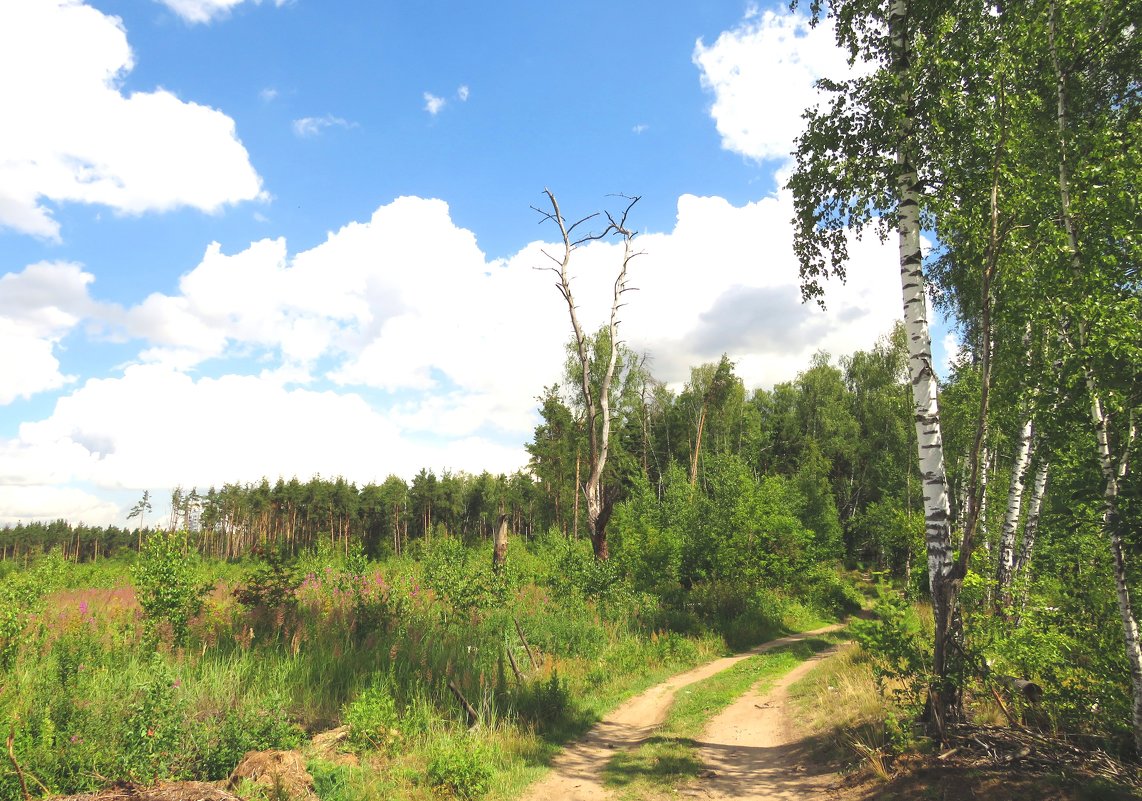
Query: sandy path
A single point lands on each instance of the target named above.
(753, 752)
(577, 773)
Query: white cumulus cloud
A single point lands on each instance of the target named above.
(312, 126)
(396, 344)
(952, 348)
(761, 73)
(202, 11)
(39, 306)
(71, 135)
(21, 504)
(433, 104)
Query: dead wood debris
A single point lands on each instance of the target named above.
(995, 746)
(173, 791)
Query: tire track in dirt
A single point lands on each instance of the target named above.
(577, 773)
(752, 752)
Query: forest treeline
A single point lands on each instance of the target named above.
(831, 450)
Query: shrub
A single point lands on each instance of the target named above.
(165, 582)
(155, 729)
(895, 643)
(446, 570)
(221, 742)
(272, 584)
(544, 702)
(830, 593)
(20, 596)
(335, 782)
(460, 767)
(373, 719)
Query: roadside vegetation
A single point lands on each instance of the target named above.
(450, 678)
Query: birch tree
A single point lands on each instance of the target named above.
(596, 400)
(856, 157)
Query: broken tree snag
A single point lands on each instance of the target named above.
(15, 764)
(500, 547)
(470, 714)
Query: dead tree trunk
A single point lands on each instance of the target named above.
(500, 546)
(596, 400)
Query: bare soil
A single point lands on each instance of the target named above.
(577, 773)
(753, 751)
(756, 749)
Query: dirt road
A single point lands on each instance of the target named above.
(576, 774)
(752, 752)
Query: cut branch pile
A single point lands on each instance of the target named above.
(993, 746)
(175, 791)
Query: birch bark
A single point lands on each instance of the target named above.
(924, 385)
(1031, 525)
(1005, 571)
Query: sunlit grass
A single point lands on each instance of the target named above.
(90, 699)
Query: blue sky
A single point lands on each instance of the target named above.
(283, 238)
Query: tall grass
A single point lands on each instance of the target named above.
(92, 703)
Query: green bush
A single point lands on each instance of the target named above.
(830, 593)
(165, 580)
(155, 730)
(447, 570)
(219, 743)
(271, 584)
(544, 702)
(373, 719)
(897, 646)
(335, 782)
(460, 767)
(21, 593)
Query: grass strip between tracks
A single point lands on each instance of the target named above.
(670, 757)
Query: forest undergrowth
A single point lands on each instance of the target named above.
(864, 707)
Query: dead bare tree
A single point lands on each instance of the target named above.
(596, 401)
(500, 547)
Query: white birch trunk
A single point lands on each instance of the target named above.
(984, 533)
(924, 386)
(1031, 525)
(1113, 473)
(1005, 571)
(985, 459)
(1022, 568)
